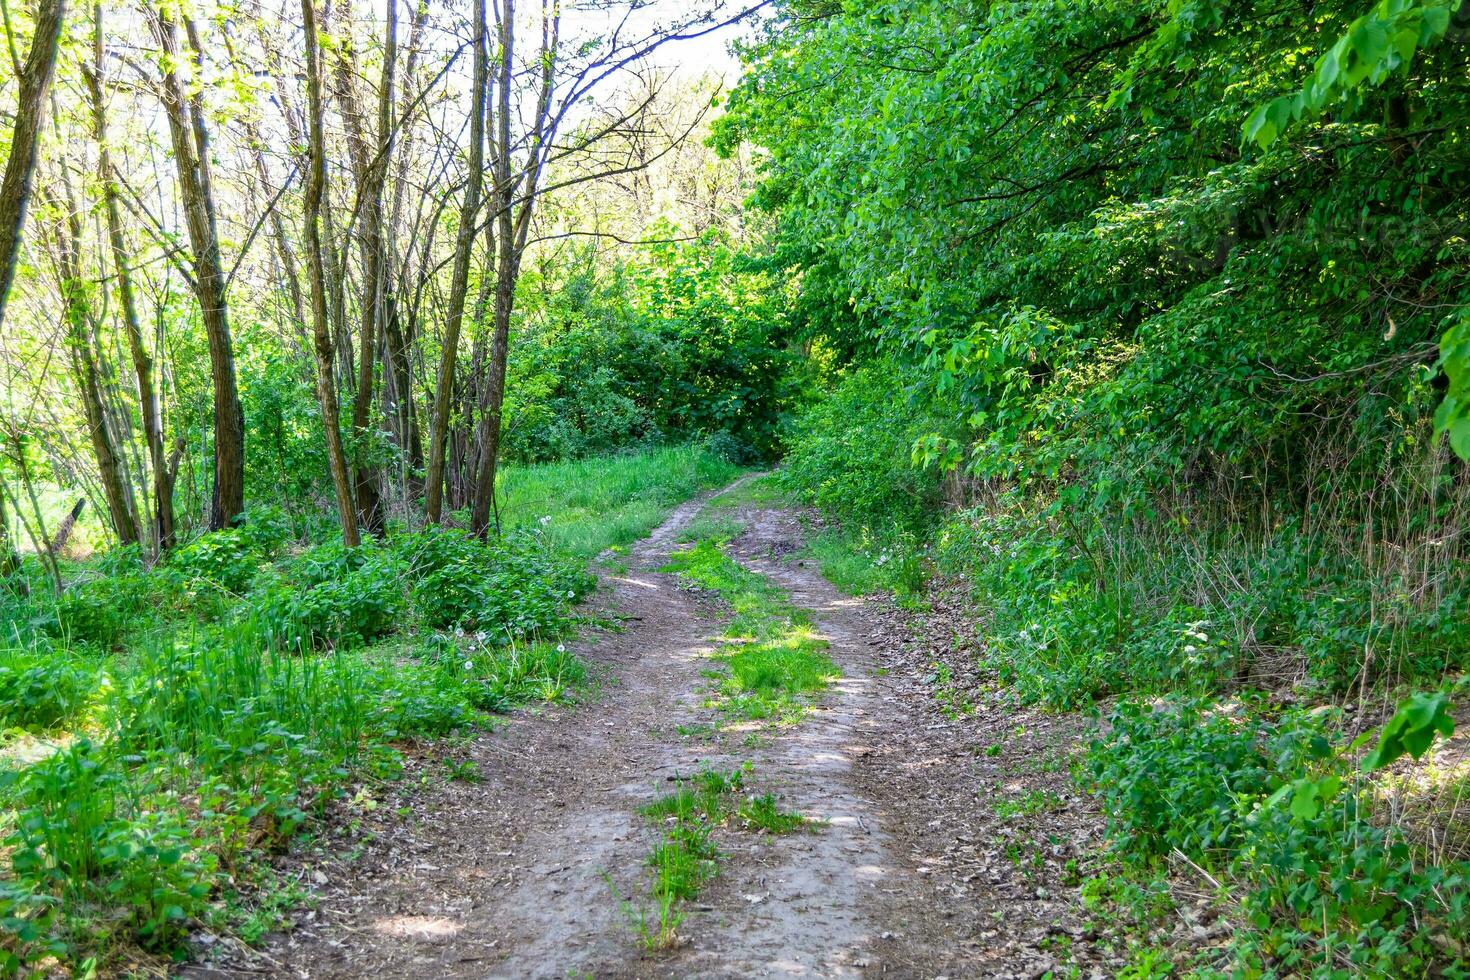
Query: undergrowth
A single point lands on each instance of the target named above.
(1241, 646)
(193, 716)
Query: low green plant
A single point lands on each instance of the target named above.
(42, 691)
(1027, 804)
(769, 678)
(858, 564)
(225, 560)
(763, 813)
(774, 659)
(1276, 806)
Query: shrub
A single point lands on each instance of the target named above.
(850, 455)
(222, 559)
(40, 691)
(1273, 805)
(507, 589)
(78, 832)
(100, 612)
(333, 595)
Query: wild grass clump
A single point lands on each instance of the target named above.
(209, 751)
(763, 813)
(768, 678)
(774, 658)
(758, 604)
(686, 857)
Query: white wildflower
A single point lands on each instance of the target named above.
(469, 665)
(561, 648)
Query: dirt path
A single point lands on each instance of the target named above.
(519, 875)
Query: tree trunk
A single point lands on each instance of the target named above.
(15, 187)
(9, 558)
(189, 139)
(398, 378)
(326, 386)
(77, 314)
(514, 227)
(370, 171)
(164, 534)
(459, 282)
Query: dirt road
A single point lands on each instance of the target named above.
(528, 872)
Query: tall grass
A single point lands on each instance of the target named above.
(589, 505)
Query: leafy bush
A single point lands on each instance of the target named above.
(221, 559)
(101, 612)
(1276, 807)
(332, 595)
(78, 834)
(850, 455)
(685, 340)
(40, 691)
(506, 589)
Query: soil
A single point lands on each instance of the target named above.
(948, 817)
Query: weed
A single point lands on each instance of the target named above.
(762, 813)
(1028, 804)
(467, 771)
(774, 658)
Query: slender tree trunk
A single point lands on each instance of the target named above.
(30, 107)
(77, 314)
(40, 539)
(9, 559)
(514, 228)
(164, 534)
(398, 378)
(459, 281)
(370, 169)
(315, 185)
(191, 149)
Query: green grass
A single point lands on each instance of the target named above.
(760, 606)
(861, 568)
(1028, 804)
(685, 857)
(774, 658)
(587, 506)
(762, 813)
(761, 491)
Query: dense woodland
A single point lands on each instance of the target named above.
(337, 339)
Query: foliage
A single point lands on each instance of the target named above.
(1271, 803)
(244, 684)
(1183, 388)
(679, 341)
(224, 560)
(849, 455)
(583, 507)
(776, 660)
(332, 595)
(41, 691)
(508, 589)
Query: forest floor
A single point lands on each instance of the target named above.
(947, 839)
